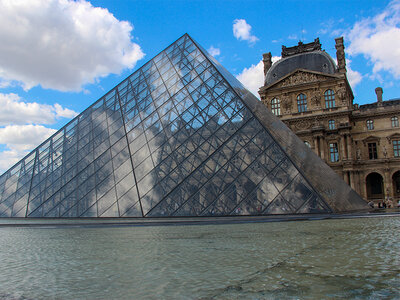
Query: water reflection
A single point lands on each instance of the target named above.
(355, 258)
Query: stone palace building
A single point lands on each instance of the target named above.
(312, 96)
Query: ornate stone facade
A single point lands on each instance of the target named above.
(361, 143)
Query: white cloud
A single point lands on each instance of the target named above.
(241, 31)
(292, 37)
(20, 134)
(378, 39)
(20, 139)
(4, 83)
(353, 76)
(253, 77)
(13, 110)
(62, 44)
(24, 137)
(10, 157)
(63, 112)
(214, 51)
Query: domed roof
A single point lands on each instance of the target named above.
(318, 61)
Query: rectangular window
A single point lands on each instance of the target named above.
(396, 148)
(370, 124)
(395, 122)
(373, 154)
(333, 151)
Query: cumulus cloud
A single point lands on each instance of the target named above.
(20, 139)
(21, 130)
(241, 31)
(62, 44)
(24, 137)
(17, 112)
(378, 39)
(10, 157)
(253, 77)
(214, 51)
(353, 76)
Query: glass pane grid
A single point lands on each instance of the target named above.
(193, 144)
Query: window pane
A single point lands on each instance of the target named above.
(370, 124)
(372, 151)
(332, 124)
(333, 151)
(396, 148)
(395, 122)
(329, 99)
(301, 103)
(276, 106)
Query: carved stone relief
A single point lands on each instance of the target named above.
(302, 124)
(341, 94)
(316, 98)
(297, 78)
(286, 103)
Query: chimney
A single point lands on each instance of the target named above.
(267, 59)
(379, 92)
(340, 55)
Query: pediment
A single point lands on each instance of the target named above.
(394, 136)
(301, 76)
(371, 139)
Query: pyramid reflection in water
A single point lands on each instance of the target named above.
(179, 137)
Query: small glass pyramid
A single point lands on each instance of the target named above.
(179, 137)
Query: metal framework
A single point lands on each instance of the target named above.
(175, 138)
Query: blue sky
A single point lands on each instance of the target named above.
(59, 56)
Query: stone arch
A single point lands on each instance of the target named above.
(374, 185)
(396, 184)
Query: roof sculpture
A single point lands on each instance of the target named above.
(179, 137)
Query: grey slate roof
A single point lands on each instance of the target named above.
(318, 61)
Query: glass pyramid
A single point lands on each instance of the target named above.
(179, 137)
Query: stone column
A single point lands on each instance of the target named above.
(346, 176)
(349, 148)
(352, 182)
(342, 147)
(363, 186)
(387, 184)
(322, 147)
(316, 148)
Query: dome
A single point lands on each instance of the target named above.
(318, 61)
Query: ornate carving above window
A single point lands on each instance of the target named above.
(371, 139)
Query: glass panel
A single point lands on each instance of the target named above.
(196, 150)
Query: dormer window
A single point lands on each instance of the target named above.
(329, 98)
(301, 103)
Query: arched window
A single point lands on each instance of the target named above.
(395, 122)
(370, 124)
(329, 98)
(331, 124)
(301, 103)
(276, 106)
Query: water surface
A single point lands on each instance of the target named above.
(330, 259)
